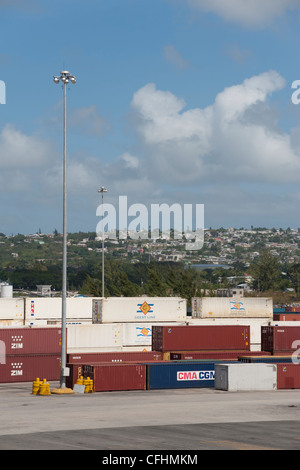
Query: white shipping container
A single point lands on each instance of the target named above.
(136, 348)
(11, 323)
(230, 307)
(245, 377)
(12, 308)
(93, 350)
(47, 308)
(139, 309)
(93, 337)
(56, 322)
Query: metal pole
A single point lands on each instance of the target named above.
(102, 246)
(64, 269)
(65, 77)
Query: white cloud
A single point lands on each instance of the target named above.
(20, 151)
(235, 138)
(253, 13)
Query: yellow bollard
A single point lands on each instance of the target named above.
(36, 386)
(79, 381)
(88, 385)
(44, 388)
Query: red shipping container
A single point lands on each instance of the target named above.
(233, 355)
(288, 376)
(17, 341)
(200, 337)
(126, 356)
(27, 368)
(280, 338)
(292, 309)
(286, 317)
(112, 377)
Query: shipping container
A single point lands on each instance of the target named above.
(93, 338)
(115, 357)
(266, 359)
(138, 309)
(245, 377)
(288, 376)
(280, 338)
(11, 323)
(204, 337)
(180, 375)
(254, 323)
(286, 316)
(230, 307)
(139, 334)
(17, 341)
(292, 309)
(116, 377)
(12, 308)
(26, 368)
(227, 354)
(50, 308)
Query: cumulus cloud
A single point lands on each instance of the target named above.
(20, 151)
(251, 13)
(236, 137)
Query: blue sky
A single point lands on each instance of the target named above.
(176, 101)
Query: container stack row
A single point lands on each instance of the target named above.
(26, 354)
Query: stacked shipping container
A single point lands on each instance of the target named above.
(28, 353)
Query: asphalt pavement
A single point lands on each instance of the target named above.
(148, 425)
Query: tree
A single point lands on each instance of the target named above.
(266, 272)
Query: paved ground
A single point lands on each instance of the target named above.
(123, 423)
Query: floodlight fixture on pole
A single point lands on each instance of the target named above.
(65, 78)
(102, 190)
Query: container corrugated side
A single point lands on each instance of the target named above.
(139, 309)
(230, 307)
(115, 357)
(279, 338)
(94, 337)
(191, 355)
(47, 308)
(206, 337)
(139, 334)
(286, 316)
(266, 359)
(116, 377)
(254, 323)
(26, 368)
(18, 341)
(245, 377)
(180, 375)
(12, 308)
(288, 376)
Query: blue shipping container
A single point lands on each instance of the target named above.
(266, 359)
(181, 374)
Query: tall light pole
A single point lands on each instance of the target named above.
(65, 78)
(102, 190)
